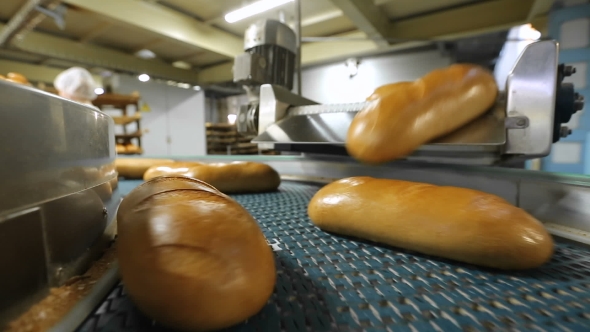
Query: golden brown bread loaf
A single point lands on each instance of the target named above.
(176, 168)
(238, 177)
(456, 223)
(120, 148)
(133, 168)
(403, 116)
(190, 257)
(17, 78)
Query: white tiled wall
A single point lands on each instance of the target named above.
(574, 122)
(575, 34)
(566, 153)
(332, 84)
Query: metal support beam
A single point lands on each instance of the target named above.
(322, 17)
(368, 18)
(96, 31)
(19, 20)
(165, 22)
(464, 21)
(216, 74)
(93, 55)
(36, 73)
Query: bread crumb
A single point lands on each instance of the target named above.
(60, 300)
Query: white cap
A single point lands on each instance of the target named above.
(76, 83)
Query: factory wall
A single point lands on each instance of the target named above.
(333, 83)
(174, 119)
(570, 25)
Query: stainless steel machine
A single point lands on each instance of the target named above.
(526, 120)
(59, 192)
(270, 52)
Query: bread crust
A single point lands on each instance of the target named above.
(455, 223)
(191, 257)
(403, 116)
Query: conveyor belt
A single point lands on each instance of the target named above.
(328, 283)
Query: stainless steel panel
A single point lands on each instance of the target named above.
(567, 205)
(51, 147)
(59, 191)
(23, 273)
(331, 127)
(73, 225)
(45, 246)
(531, 90)
(274, 101)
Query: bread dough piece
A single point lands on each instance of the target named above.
(403, 116)
(456, 223)
(192, 258)
(133, 168)
(238, 177)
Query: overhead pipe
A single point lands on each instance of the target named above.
(20, 20)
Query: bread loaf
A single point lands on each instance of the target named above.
(403, 116)
(176, 168)
(120, 148)
(133, 168)
(238, 177)
(17, 78)
(190, 257)
(449, 222)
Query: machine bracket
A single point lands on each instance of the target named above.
(516, 121)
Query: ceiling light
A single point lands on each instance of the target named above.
(145, 54)
(99, 91)
(182, 65)
(143, 77)
(254, 9)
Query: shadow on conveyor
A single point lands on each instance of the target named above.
(561, 267)
(284, 311)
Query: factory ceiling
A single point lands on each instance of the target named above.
(190, 41)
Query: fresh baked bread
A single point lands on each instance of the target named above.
(455, 223)
(230, 178)
(190, 257)
(133, 168)
(17, 78)
(238, 177)
(403, 116)
(176, 168)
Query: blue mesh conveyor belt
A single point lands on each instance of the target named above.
(329, 283)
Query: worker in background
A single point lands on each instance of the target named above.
(76, 84)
